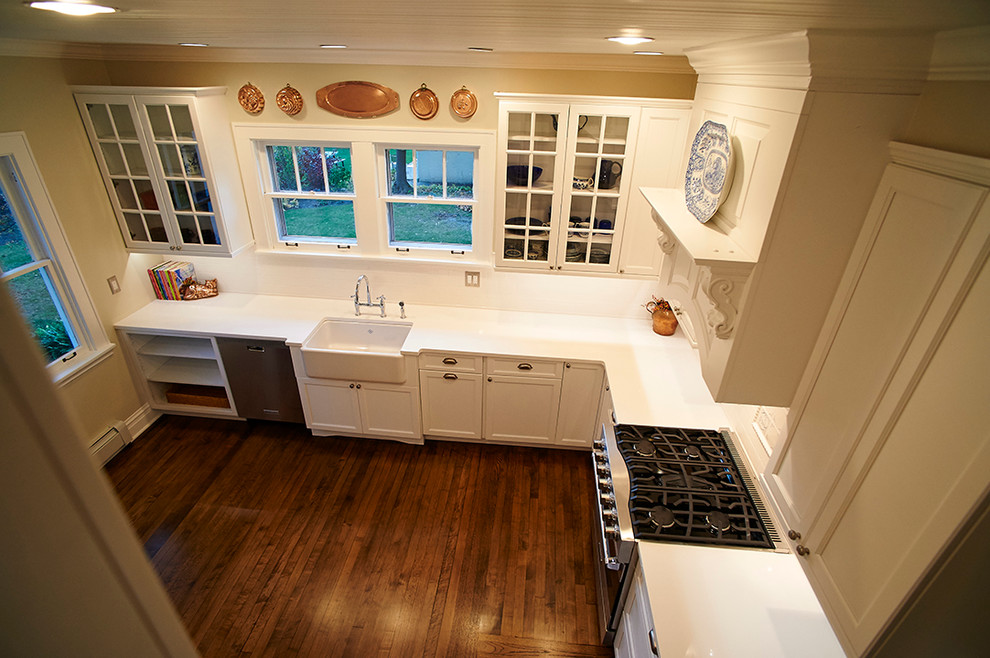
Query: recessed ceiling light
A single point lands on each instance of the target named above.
(647, 52)
(332, 45)
(479, 49)
(631, 41)
(72, 8)
(196, 45)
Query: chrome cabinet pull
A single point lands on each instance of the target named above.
(255, 348)
(449, 375)
(450, 361)
(653, 643)
(525, 366)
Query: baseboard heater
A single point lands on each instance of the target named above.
(109, 444)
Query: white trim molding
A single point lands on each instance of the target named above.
(961, 54)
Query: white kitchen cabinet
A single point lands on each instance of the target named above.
(635, 637)
(179, 373)
(565, 171)
(362, 408)
(888, 454)
(452, 391)
(580, 403)
(522, 400)
(167, 159)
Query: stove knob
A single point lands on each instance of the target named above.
(604, 484)
(603, 471)
(610, 513)
(608, 498)
(611, 528)
(599, 444)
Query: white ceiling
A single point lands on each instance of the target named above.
(449, 26)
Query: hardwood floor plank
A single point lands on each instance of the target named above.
(273, 542)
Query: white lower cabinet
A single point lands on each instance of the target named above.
(580, 402)
(452, 404)
(635, 637)
(381, 410)
(521, 409)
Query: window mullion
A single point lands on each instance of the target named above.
(27, 268)
(295, 167)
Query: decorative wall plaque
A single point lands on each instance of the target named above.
(289, 100)
(424, 103)
(464, 103)
(357, 99)
(251, 99)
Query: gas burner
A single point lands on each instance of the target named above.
(718, 521)
(644, 448)
(661, 517)
(693, 452)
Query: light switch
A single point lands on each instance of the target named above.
(472, 279)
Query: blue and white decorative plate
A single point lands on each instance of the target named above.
(709, 171)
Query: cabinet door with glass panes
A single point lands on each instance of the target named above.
(151, 152)
(565, 193)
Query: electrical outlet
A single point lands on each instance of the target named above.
(472, 279)
(114, 286)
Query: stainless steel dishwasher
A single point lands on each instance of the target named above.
(261, 379)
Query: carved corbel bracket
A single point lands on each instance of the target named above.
(666, 243)
(724, 290)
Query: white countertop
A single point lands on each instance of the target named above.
(731, 602)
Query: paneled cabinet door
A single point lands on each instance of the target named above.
(390, 411)
(452, 403)
(635, 637)
(580, 402)
(888, 452)
(521, 409)
(333, 406)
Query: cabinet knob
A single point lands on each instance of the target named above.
(489, 379)
(567, 365)
(352, 385)
(359, 386)
(558, 267)
(794, 535)
(449, 375)
(803, 551)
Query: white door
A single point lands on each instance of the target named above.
(580, 402)
(521, 409)
(390, 411)
(333, 406)
(451, 404)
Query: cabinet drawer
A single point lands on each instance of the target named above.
(451, 362)
(524, 367)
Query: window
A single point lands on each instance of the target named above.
(37, 267)
(429, 197)
(312, 192)
(385, 193)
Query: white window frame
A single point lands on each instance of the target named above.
(367, 170)
(385, 197)
(41, 228)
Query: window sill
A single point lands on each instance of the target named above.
(97, 356)
(352, 254)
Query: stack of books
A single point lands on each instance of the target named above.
(167, 277)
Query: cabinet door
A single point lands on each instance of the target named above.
(531, 160)
(889, 451)
(452, 404)
(333, 406)
(600, 149)
(115, 132)
(521, 409)
(390, 411)
(179, 158)
(635, 637)
(580, 402)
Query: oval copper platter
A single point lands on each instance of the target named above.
(358, 99)
(424, 103)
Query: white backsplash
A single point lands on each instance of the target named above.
(428, 283)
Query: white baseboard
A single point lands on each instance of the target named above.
(140, 420)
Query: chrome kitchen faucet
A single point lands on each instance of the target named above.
(367, 290)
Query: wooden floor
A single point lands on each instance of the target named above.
(273, 542)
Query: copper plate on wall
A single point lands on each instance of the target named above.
(424, 103)
(358, 99)
(289, 100)
(464, 103)
(251, 98)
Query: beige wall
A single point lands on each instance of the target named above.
(38, 101)
(952, 116)
(308, 78)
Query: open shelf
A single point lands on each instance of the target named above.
(188, 371)
(192, 348)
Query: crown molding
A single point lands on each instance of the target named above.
(961, 54)
(669, 64)
(819, 60)
(953, 165)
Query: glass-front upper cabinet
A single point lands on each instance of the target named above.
(565, 190)
(152, 152)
